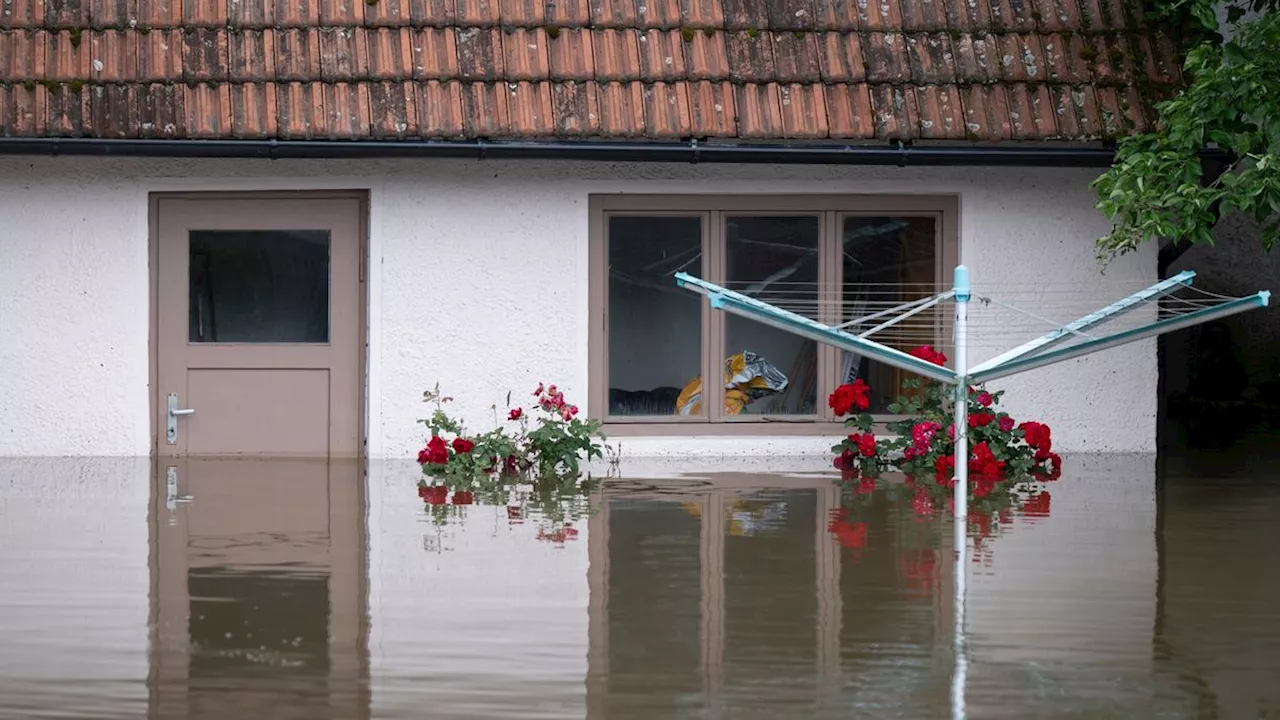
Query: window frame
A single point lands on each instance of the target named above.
(831, 209)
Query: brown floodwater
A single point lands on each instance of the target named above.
(1141, 588)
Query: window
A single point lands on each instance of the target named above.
(833, 258)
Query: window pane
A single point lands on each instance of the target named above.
(774, 259)
(259, 286)
(888, 261)
(655, 328)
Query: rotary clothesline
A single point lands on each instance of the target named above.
(1063, 341)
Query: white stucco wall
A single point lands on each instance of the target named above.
(478, 281)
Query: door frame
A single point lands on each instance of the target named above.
(153, 279)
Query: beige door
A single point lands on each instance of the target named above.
(258, 325)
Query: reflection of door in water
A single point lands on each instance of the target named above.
(258, 589)
(258, 306)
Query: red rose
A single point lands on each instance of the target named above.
(436, 451)
(866, 486)
(515, 414)
(844, 461)
(928, 354)
(568, 412)
(984, 399)
(538, 391)
(1005, 423)
(849, 397)
(867, 445)
(1037, 435)
(463, 445)
(980, 419)
(944, 470)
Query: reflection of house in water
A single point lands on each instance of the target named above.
(259, 586)
(690, 613)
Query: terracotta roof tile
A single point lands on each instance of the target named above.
(485, 110)
(759, 111)
(289, 13)
(790, 14)
(1031, 112)
(886, 56)
(745, 14)
(204, 13)
(926, 15)
(941, 113)
(708, 58)
(796, 57)
(840, 57)
(398, 13)
(896, 113)
(113, 109)
(529, 105)
(931, 58)
(253, 56)
(658, 13)
(612, 13)
(344, 54)
(23, 55)
(622, 109)
(799, 69)
(253, 110)
(208, 111)
(838, 15)
(750, 57)
(879, 15)
(391, 52)
(69, 111)
(300, 110)
(986, 112)
(346, 110)
(480, 54)
(242, 13)
(162, 110)
(701, 13)
(662, 55)
(525, 54)
(849, 112)
(576, 109)
(434, 53)
(804, 111)
(570, 56)
(666, 110)
(440, 106)
(568, 13)
(23, 110)
(977, 58)
(483, 13)
(713, 109)
(525, 13)
(297, 53)
(617, 54)
(967, 15)
(392, 110)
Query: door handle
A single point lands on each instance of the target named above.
(171, 431)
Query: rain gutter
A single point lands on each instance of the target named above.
(692, 151)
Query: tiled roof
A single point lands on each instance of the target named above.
(964, 70)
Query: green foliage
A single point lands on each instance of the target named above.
(1156, 187)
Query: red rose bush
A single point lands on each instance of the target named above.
(533, 455)
(1007, 459)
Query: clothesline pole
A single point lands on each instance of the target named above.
(961, 450)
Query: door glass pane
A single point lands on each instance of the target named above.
(259, 286)
(771, 371)
(655, 328)
(888, 261)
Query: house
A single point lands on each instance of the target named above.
(293, 218)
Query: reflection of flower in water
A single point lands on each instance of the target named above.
(848, 534)
(919, 568)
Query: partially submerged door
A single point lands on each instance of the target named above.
(258, 326)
